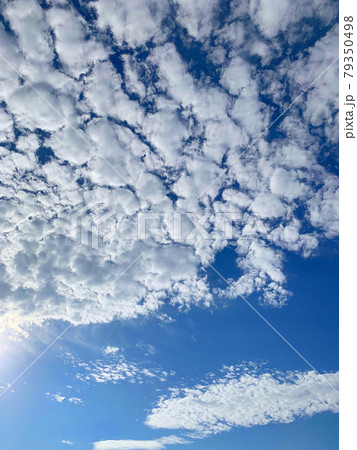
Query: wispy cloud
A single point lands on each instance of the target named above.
(56, 397)
(131, 444)
(76, 400)
(115, 369)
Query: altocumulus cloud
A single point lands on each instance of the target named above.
(244, 399)
(115, 369)
(166, 129)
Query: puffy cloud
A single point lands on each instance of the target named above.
(237, 75)
(134, 22)
(321, 104)
(166, 131)
(75, 400)
(246, 398)
(190, 15)
(6, 127)
(56, 397)
(249, 111)
(114, 369)
(105, 97)
(109, 350)
(284, 183)
(27, 19)
(31, 111)
(59, 398)
(272, 17)
(75, 51)
(268, 205)
(323, 208)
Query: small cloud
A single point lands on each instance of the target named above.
(110, 350)
(115, 369)
(56, 397)
(67, 442)
(76, 400)
(133, 444)
(148, 348)
(60, 398)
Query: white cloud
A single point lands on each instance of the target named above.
(132, 444)
(245, 398)
(134, 22)
(6, 129)
(274, 16)
(322, 100)
(168, 132)
(323, 208)
(132, 79)
(116, 370)
(237, 75)
(76, 400)
(148, 348)
(285, 183)
(105, 97)
(268, 205)
(33, 112)
(249, 111)
(27, 19)
(75, 52)
(59, 398)
(197, 17)
(67, 442)
(109, 350)
(56, 397)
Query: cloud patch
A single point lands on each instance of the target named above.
(132, 444)
(114, 369)
(166, 129)
(244, 399)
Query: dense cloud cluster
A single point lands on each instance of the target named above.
(138, 106)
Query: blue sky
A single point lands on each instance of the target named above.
(169, 186)
(196, 344)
